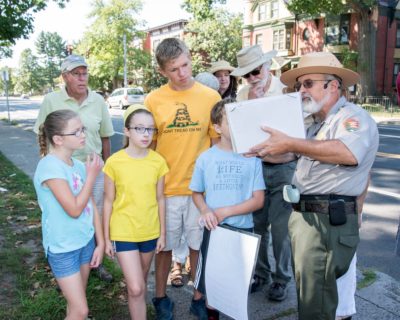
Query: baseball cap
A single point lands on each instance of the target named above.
(71, 62)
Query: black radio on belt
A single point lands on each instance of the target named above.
(336, 206)
(337, 212)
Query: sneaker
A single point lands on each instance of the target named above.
(277, 291)
(164, 308)
(212, 314)
(198, 308)
(103, 274)
(257, 284)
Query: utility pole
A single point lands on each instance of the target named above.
(5, 77)
(125, 75)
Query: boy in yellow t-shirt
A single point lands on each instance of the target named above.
(181, 110)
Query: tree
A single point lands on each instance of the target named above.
(201, 9)
(366, 28)
(29, 77)
(216, 38)
(152, 79)
(102, 44)
(51, 47)
(16, 18)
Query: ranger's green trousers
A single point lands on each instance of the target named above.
(321, 253)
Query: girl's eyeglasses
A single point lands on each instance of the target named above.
(308, 84)
(77, 133)
(142, 130)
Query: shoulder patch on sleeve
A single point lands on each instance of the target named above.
(351, 124)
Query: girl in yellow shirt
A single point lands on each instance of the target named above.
(134, 205)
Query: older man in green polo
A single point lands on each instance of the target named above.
(92, 110)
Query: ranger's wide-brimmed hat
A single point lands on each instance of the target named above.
(250, 58)
(220, 65)
(320, 62)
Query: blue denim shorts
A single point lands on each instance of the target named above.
(68, 263)
(144, 246)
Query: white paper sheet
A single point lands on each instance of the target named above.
(245, 118)
(229, 268)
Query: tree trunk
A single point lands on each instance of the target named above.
(366, 52)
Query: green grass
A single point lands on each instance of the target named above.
(369, 278)
(28, 289)
(12, 122)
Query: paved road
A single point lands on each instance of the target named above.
(381, 210)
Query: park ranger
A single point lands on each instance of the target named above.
(332, 171)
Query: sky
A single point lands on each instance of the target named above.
(72, 21)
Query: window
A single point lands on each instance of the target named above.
(246, 42)
(279, 40)
(288, 39)
(398, 35)
(261, 12)
(337, 30)
(268, 10)
(282, 39)
(155, 44)
(396, 69)
(259, 39)
(274, 9)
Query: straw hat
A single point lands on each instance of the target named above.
(250, 58)
(220, 65)
(320, 62)
(133, 108)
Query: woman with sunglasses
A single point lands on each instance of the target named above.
(254, 66)
(227, 83)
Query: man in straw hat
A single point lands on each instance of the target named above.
(254, 66)
(332, 172)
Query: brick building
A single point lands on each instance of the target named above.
(155, 35)
(269, 24)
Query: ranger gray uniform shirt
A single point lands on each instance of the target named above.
(353, 126)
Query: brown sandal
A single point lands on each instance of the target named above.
(176, 277)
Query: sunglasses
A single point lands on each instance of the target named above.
(255, 72)
(308, 84)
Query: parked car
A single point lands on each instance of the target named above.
(124, 97)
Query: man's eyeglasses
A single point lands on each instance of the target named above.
(308, 84)
(78, 75)
(255, 72)
(77, 133)
(142, 130)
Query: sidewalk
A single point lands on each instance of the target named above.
(380, 300)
